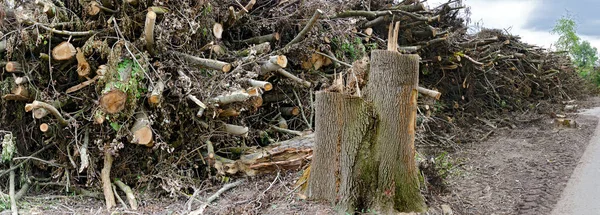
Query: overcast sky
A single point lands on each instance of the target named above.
(533, 19)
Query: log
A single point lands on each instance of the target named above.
(431, 93)
(83, 67)
(274, 63)
(208, 63)
(64, 51)
(257, 49)
(289, 111)
(13, 66)
(274, 37)
(149, 30)
(262, 84)
(293, 77)
(142, 130)
(156, 95)
(231, 98)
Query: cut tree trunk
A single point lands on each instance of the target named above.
(364, 156)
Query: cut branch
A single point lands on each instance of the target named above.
(199, 103)
(363, 13)
(142, 132)
(234, 97)
(306, 28)
(289, 111)
(109, 196)
(262, 84)
(149, 30)
(49, 108)
(262, 39)
(128, 192)
(156, 95)
(274, 63)
(208, 63)
(431, 93)
(293, 77)
(13, 66)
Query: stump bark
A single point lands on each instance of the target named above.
(364, 156)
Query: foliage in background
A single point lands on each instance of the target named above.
(583, 54)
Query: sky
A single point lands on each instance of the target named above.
(533, 19)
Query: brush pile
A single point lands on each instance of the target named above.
(177, 91)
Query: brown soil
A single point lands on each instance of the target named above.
(515, 171)
(518, 171)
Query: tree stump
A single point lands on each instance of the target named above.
(364, 156)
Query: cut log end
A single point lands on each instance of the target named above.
(290, 111)
(218, 30)
(44, 127)
(282, 61)
(113, 101)
(143, 136)
(276, 36)
(64, 51)
(13, 67)
(226, 68)
(93, 8)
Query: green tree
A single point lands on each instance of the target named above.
(583, 54)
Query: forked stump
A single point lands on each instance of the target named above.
(364, 156)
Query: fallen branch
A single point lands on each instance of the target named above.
(215, 196)
(293, 77)
(199, 103)
(306, 28)
(287, 131)
(208, 63)
(128, 193)
(67, 33)
(363, 13)
(334, 59)
(231, 98)
(289, 111)
(262, 84)
(82, 85)
(109, 196)
(262, 39)
(48, 107)
(274, 63)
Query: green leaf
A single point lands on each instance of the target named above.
(115, 126)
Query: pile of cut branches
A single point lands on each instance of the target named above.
(177, 91)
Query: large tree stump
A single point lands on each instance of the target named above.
(364, 156)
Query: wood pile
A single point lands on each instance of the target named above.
(143, 90)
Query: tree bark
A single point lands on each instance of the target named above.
(364, 156)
